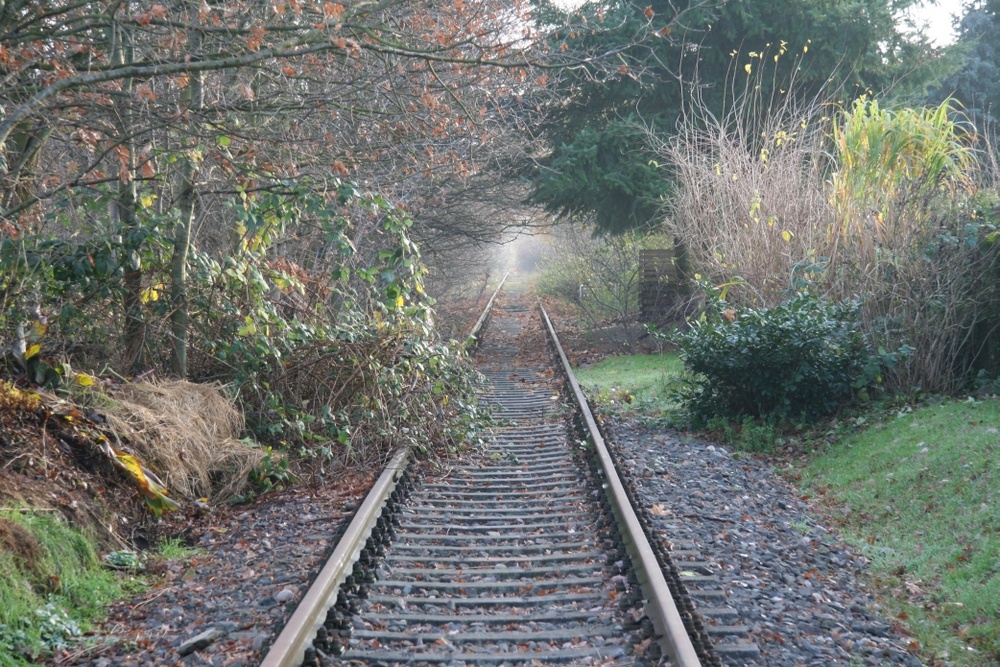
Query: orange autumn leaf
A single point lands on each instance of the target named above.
(145, 92)
(256, 39)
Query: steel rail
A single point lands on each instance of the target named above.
(289, 647)
(473, 338)
(660, 607)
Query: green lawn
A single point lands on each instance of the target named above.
(634, 383)
(919, 496)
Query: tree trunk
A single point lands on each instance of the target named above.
(19, 159)
(134, 332)
(682, 260)
(187, 203)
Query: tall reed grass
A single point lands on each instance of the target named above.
(892, 206)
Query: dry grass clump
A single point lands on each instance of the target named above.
(751, 202)
(186, 433)
(854, 202)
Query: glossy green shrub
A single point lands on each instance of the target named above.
(802, 358)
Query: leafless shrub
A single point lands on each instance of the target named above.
(750, 200)
(597, 274)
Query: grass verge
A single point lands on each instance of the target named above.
(632, 383)
(52, 586)
(919, 496)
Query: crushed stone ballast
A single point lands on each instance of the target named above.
(525, 552)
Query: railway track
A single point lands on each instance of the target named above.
(527, 552)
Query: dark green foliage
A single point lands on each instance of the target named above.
(346, 377)
(976, 239)
(331, 349)
(802, 358)
(76, 282)
(665, 55)
(605, 172)
(976, 84)
(271, 473)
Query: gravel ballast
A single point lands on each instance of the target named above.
(224, 605)
(791, 581)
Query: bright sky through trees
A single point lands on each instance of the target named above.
(938, 18)
(937, 15)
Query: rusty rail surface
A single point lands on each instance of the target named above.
(290, 646)
(472, 340)
(660, 606)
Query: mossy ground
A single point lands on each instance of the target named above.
(52, 585)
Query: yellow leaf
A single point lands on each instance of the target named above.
(154, 494)
(747, 68)
(149, 294)
(159, 503)
(247, 329)
(32, 351)
(147, 201)
(400, 301)
(786, 235)
(84, 380)
(134, 468)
